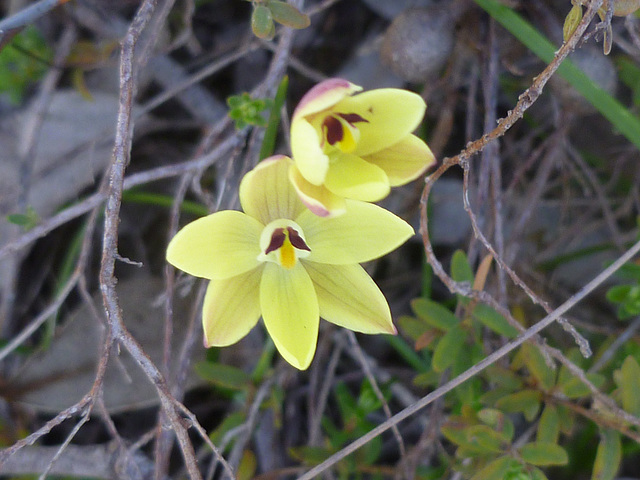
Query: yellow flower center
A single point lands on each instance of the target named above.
(282, 242)
(339, 131)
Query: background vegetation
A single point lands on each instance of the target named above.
(518, 353)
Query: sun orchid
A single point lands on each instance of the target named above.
(355, 146)
(280, 261)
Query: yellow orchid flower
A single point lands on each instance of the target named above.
(355, 146)
(279, 260)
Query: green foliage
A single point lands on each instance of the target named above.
(354, 414)
(245, 110)
(608, 456)
(26, 220)
(23, 62)
(266, 12)
(629, 73)
(529, 388)
(627, 296)
(270, 134)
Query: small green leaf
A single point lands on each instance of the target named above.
(567, 419)
(575, 388)
(434, 314)
(26, 220)
(503, 377)
(288, 15)
(525, 401)
(630, 385)
(549, 425)
(571, 22)
(448, 348)
(224, 376)
(537, 365)
(310, 455)
(494, 321)
(247, 467)
(497, 420)
(230, 421)
(618, 293)
(499, 469)
(485, 439)
(412, 327)
(535, 473)
(460, 268)
(608, 456)
(544, 454)
(262, 22)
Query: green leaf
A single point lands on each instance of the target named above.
(434, 314)
(608, 456)
(448, 348)
(567, 419)
(157, 199)
(288, 15)
(544, 454)
(310, 455)
(271, 133)
(536, 474)
(262, 22)
(224, 376)
(537, 365)
(412, 327)
(630, 75)
(571, 21)
(26, 220)
(614, 111)
(498, 469)
(549, 425)
(23, 61)
(485, 439)
(525, 401)
(494, 321)
(575, 388)
(630, 385)
(503, 377)
(419, 363)
(460, 268)
(247, 467)
(618, 293)
(427, 379)
(497, 420)
(230, 421)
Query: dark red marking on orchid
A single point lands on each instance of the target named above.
(332, 129)
(277, 240)
(352, 118)
(296, 240)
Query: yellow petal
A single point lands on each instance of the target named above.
(323, 96)
(317, 198)
(266, 193)
(405, 161)
(364, 232)
(391, 113)
(231, 308)
(221, 245)
(349, 298)
(290, 312)
(351, 177)
(307, 151)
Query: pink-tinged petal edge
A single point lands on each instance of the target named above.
(324, 95)
(318, 199)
